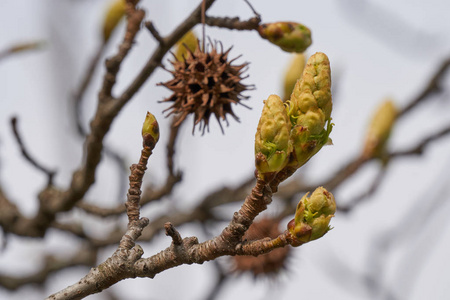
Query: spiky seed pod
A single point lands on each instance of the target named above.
(266, 264)
(289, 36)
(205, 84)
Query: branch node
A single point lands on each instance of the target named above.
(173, 233)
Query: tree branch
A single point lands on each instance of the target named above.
(50, 173)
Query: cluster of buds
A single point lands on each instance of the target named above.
(312, 217)
(289, 36)
(290, 133)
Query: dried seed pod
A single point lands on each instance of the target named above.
(205, 84)
(268, 264)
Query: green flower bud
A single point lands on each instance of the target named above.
(312, 217)
(272, 147)
(310, 110)
(190, 41)
(115, 13)
(305, 145)
(313, 91)
(150, 131)
(380, 129)
(293, 73)
(289, 36)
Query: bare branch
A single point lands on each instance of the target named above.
(19, 48)
(433, 87)
(351, 204)
(52, 264)
(234, 23)
(419, 148)
(27, 156)
(149, 25)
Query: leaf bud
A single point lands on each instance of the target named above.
(272, 147)
(114, 14)
(293, 73)
(189, 42)
(380, 129)
(289, 36)
(150, 130)
(312, 217)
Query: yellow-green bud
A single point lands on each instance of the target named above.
(150, 131)
(293, 73)
(289, 36)
(310, 110)
(313, 91)
(380, 129)
(272, 147)
(312, 217)
(190, 41)
(114, 14)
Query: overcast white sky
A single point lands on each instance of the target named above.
(377, 50)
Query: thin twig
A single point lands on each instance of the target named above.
(149, 25)
(233, 23)
(253, 9)
(79, 93)
(50, 173)
(173, 233)
(19, 48)
(419, 148)
(433, 87)
(148, 197)
(351, 204)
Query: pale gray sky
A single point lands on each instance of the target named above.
(377, 50)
